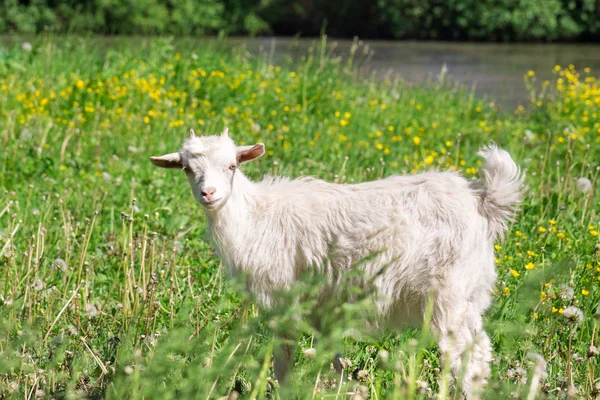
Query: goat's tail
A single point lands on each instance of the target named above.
(502, 194)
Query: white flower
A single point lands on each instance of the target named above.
(528, 135)
(13, 386)
(310, 353)
(38, 285)
(25, 135)
(518, 374)
(345, 363)
(106, 176)
(60, 264)
(384, 356)
(573, 315)
(583, 185)
(27, 46)
(566, 292)
(91, 310)
(363, 375)
(72, 330)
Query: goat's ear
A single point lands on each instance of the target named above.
(172, 160)
(249, 153)
(225, 133)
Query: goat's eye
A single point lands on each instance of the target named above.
(232, 167)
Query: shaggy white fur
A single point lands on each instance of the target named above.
(421, 234)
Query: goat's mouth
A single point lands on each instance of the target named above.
(212, 204)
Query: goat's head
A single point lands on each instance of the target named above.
(210, 163)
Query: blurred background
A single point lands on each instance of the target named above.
(482, 20)
(489, 44)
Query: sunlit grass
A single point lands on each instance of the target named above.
(109, 287)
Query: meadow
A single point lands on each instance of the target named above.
(109, 287)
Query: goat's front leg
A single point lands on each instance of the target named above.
(283, 356)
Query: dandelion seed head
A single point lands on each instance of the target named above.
(60, 264)
(363, 375)
(566, 292)
(38, 285)
(573, 315)
(310, 353)
(345, 363)
(91, 310)
(25, 135)
(583, 185)
(517, 374)
(384, 356)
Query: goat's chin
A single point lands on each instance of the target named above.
(214, 205)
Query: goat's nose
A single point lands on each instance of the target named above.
(207, 192)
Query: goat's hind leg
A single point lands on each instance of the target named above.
(283, 356)
(463, 344)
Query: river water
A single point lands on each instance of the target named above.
(494, 69)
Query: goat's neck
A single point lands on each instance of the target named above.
(230, 223)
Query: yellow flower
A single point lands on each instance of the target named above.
(542, 229)
(584, 292)
(80, 84)
(552, 222)
(560, 235)
(529, 266)
(514, 273)
(497, 247)
(429, 160)
(518, 233)
(146, 120)
(594, 233)
(416, 140)
(530, 73)
(506, 291)
(554, 309)
(448, 143)
(343, 122)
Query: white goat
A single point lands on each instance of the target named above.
(427, 234)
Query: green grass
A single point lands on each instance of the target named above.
(109, 287)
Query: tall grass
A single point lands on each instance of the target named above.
(110, 289)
